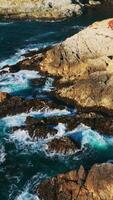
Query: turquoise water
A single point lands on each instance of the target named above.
(24, 162)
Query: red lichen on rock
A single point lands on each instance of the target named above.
(110, 24)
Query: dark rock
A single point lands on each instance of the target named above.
(63, 145)
(14, 105)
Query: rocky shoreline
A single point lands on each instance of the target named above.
(96, 184)
(48, 9)
(82, 72)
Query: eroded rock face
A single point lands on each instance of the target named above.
(86, 61)
(97, 184)
(14, 105)
(3, 97)
(55, 143)
(63, 145)
(44, 9)
(45, 128)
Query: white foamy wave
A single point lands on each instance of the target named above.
(38, 46)
(6, 23)
(46, 112)
(27, 196)
(2, 154)
(12, 60)
(61, 128)
(19, 119)
(48, 84)
(18, 56)
(14, 120)
(86, 136)
(24, 142)
(12, 82)
(20, 136)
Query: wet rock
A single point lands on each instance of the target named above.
(97, 184)
(3, 97)
(14, 105)
(38, 82)
(55, 143)
(37, 129)
(41, 9)
(97, 121)
(29, 63)
(69, 121)
(63, 145)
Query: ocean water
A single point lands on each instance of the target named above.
(24, 161)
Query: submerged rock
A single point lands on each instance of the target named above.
(96, 184)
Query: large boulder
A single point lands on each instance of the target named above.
(86, 61)
(97, 184)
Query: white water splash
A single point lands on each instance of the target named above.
(2, 154)
(6, 23)
(11, 82)
(27, 196)
(46, 112)
(61, 128)
(14, 59)
(86, 136)
(19, 119)
(48, 85)
(20, 136)
(14, 120)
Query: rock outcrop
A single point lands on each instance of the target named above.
(40, 9)
(14, 105)
(85, 61)
(3, 97)
(97, 184)
(48, 9)
(55, 143)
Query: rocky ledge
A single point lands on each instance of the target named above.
(97, 184)
(85, 64)
(47, 9)
(40, 9)
(83, 70)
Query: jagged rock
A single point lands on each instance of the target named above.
(97, 184)
(3, 97)
(14, 105)
(85, 61)
(41, 9)
(97, 121)
(45, 127)
(63, 145)
(54, 143)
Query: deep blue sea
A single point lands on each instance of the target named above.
(23, 161)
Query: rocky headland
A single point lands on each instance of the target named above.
(47, 9)
(82, 71)
(97, 184)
